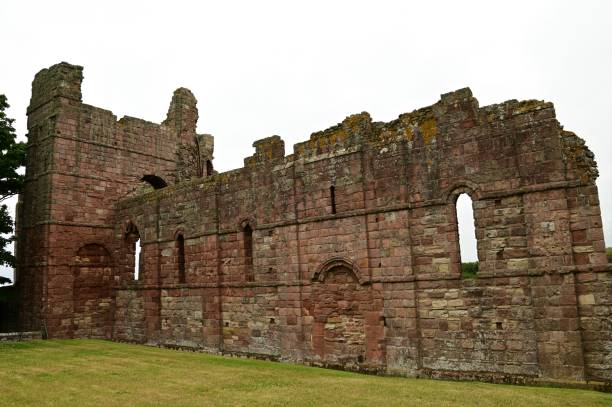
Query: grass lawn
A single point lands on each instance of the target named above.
(100, 373)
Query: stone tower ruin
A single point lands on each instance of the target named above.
(344, 253)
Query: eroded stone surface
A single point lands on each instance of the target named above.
(344, 253)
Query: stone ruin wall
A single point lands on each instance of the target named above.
(81, 161)
(367, 280)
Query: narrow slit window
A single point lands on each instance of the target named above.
(133, 250)
(467, 237)
(332, 194)
(209, 168)
(137, 259)
(180, 245)
(248, 252)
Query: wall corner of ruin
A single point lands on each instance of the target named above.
(60, 80)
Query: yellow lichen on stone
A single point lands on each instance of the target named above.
(408, 133)
(340, 135)
(333, 138)
(354, 121)
(330, 139)
(531, 105)
(386, 135)
(428, 130)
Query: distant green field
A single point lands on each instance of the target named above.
(609, 252)
(469, 269)
(100, 373)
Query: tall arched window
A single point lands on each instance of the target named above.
(247, 234)
(467, 236)
(134, 249)
(180, 246)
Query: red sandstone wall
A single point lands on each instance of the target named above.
(81, 161)
(376, 285)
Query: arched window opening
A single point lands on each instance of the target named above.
(209, 168)
(180, 245)
(332, 194)
(155, 181)
(467, 236)
(247, 233)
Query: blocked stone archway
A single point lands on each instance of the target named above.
(348, 328)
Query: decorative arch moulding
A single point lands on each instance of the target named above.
(327, 266)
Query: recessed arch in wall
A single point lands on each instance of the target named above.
(348, 323)
(155, 181)
(93, 253)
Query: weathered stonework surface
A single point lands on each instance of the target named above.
(342, 254)
(19, 336)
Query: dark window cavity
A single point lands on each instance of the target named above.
(247, 233)
(180, 246)
(155, 181)
(332, 194)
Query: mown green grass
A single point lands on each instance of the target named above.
(100, 373)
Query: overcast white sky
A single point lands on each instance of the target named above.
(260, 68)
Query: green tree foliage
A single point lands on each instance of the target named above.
(12, 157)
